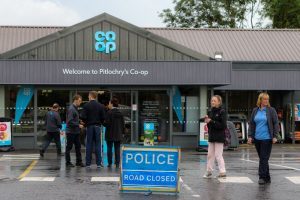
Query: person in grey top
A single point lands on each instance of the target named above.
(53, 126)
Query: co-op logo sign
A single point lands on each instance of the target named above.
(105, 41)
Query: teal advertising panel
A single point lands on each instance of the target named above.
(24, 96)
(150, 169)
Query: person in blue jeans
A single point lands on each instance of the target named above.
(263, 130)
(93, 116)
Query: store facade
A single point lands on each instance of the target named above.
(157, 81)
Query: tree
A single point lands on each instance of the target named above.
(283, 13)
(233, 14)
(206, 13)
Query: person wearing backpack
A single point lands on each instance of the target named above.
(53, 126)
(217, 123)
(263, 131)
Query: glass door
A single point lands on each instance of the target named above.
(128, 107)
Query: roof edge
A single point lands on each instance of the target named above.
(109, 18)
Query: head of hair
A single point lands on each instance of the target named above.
(260, 98)
(76, 97)
(55, 106)
(115, 101)
(219, 99)
(93, 94)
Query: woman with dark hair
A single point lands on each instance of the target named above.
(263, 130)
(114, 123)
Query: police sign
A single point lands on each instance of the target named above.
(150, 168)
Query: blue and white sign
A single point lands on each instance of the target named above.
(105, 42)
(149, 168)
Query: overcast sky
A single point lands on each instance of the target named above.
(143, 13)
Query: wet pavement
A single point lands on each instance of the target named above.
(24, 176)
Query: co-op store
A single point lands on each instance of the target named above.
(162, 76)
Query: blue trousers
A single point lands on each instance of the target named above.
(93, 139)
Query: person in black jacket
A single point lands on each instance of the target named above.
(53, 126)
(217, 123)
(93, 116)
(73, 132)
(263, 130)
(114, 123)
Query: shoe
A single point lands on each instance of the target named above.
(100, 166)
(60, 154)
(70, 165)
(42, 153)
(221, 175)
(261, 181)
(207, 175)
(88, 166)
(117, 166)
(80, 165)
(109, 165)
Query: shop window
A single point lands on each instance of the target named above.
(186, 109)
(19, 107)
(45, 99)
(154, 115)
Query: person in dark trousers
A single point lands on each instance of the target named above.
(263, 130)
(114, 123)
(73, 132)
(93, 115)
(53, 126)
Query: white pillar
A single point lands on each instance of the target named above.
(2, 101)
(203, 101)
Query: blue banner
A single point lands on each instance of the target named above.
(150, 169)
(177, 104)
(24, 96)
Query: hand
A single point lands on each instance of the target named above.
(81, 126)
(274, 140)
(250, 140)
(207, 120)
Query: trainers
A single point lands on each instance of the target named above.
(207, 175)
(221, 175)
(70, 165)
(100, 166)
(88, 166)
(80, 165)
(261, 181)
(42, 153)
(109, 165)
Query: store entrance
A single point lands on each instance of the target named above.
(126, 100)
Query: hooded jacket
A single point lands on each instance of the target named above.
(114, 123)
(217, 125)
(52, 121)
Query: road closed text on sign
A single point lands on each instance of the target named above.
(150, 169)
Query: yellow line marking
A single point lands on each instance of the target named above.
(28, 170)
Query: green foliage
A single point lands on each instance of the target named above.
(232, 14)
(206, 13)
(283, 13)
